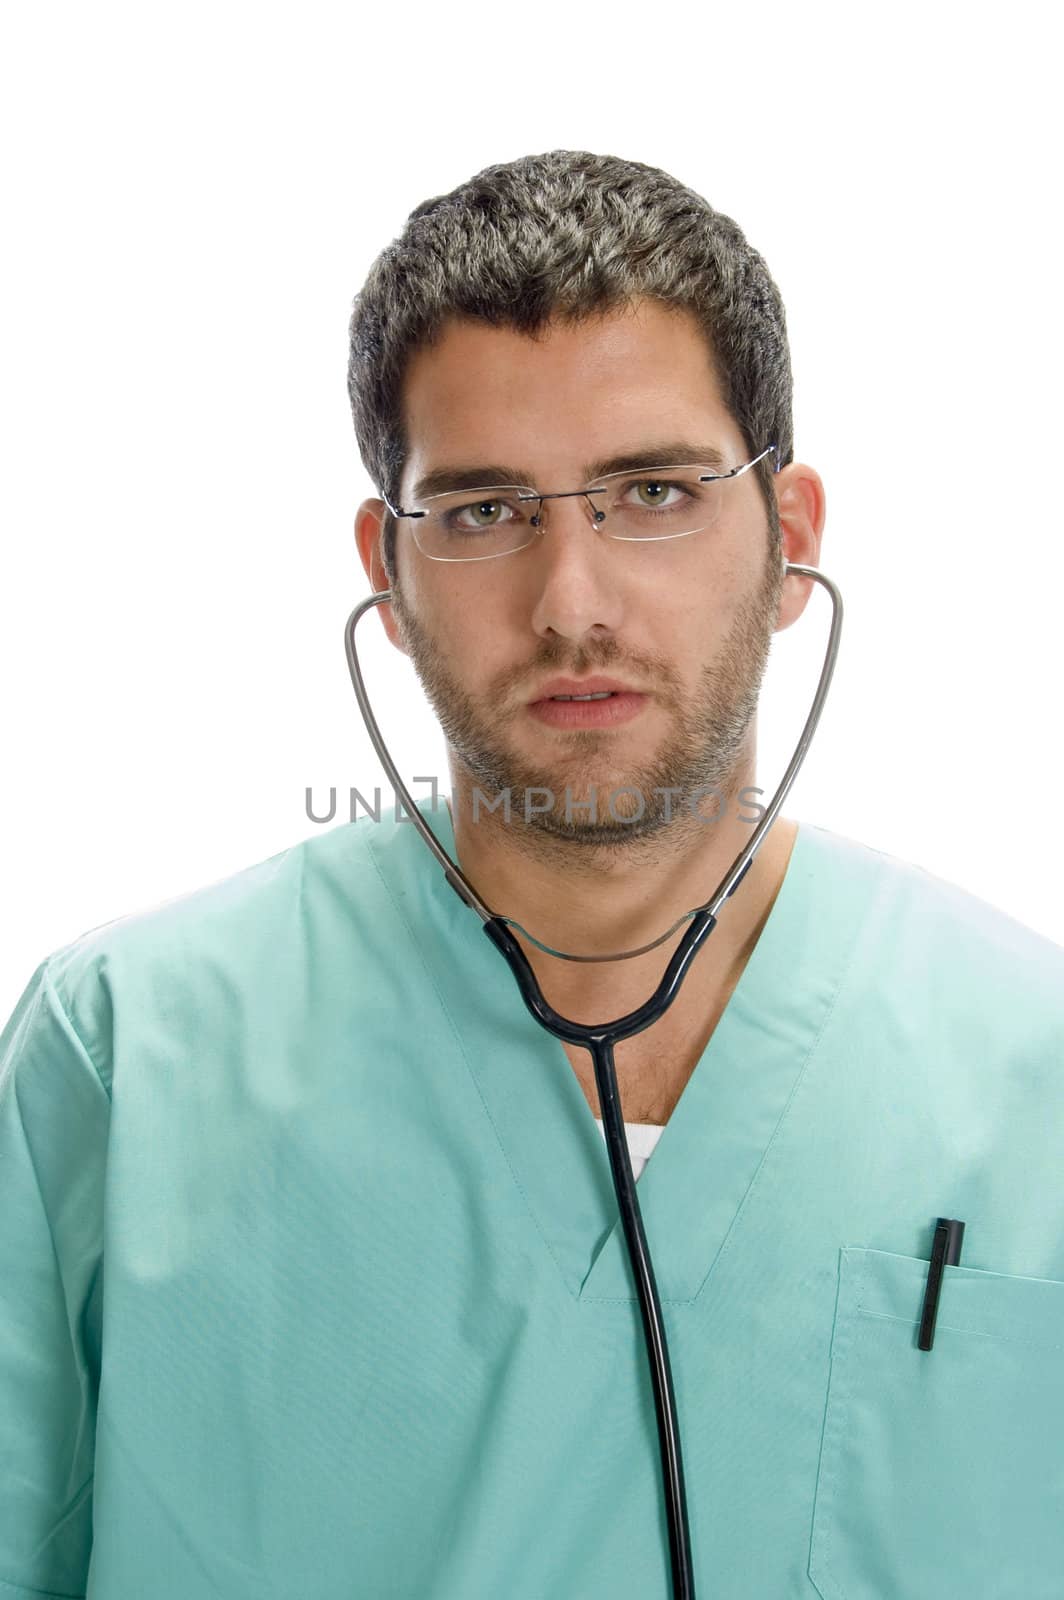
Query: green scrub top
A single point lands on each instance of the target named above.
(312, 1286)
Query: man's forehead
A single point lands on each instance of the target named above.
(578, 392)
(638, 330)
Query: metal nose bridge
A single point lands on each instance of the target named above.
(564, 494)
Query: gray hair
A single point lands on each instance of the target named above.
(567, 235)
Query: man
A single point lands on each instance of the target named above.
(312, 1280)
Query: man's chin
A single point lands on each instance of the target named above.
(609, 814)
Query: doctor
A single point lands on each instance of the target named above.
(311, 1272)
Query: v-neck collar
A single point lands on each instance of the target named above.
(724, 1121)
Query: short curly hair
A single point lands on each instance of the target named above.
(566, 235)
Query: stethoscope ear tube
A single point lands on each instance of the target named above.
(457, 879)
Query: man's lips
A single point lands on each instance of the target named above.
(581, 686)
(618, 703)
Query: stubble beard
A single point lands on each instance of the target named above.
(707, 747)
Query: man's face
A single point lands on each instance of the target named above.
(686, 621)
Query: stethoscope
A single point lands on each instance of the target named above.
(600, 1040)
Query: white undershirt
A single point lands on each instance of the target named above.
(642, 1137)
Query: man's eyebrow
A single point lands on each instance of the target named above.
(674, 453)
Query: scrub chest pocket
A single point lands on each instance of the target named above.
(941, 1472)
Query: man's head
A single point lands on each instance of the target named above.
(551, 314)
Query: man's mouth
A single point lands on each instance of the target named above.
(597, 708)
(603, 694)
(588, 687)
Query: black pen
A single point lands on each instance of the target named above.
(945, 1252)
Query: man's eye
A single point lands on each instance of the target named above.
(479, 516)
(656, 491)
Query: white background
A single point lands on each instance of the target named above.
(191, 200)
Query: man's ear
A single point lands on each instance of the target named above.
(801, 504)
(369, 539)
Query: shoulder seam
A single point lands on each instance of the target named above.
(52, 988)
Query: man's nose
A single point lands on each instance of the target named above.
(576, 584)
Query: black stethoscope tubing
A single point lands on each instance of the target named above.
(600, 1039)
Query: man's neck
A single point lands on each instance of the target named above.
(587, 900)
